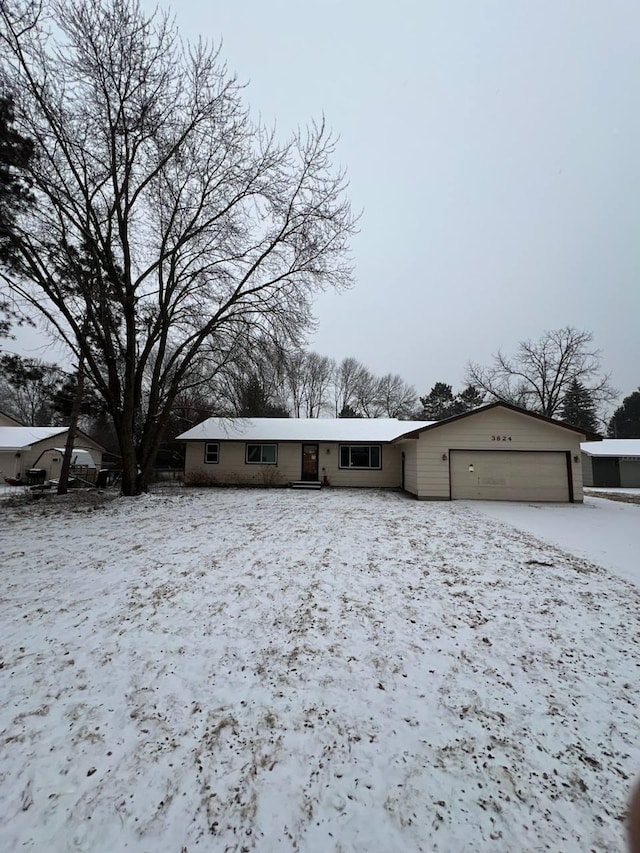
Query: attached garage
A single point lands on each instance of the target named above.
(503, 475)
(497, 452)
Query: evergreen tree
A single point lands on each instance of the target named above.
(348, 412)
(255, 401)
(439, 403)
(578, 407)
(625, 422)
(468, 399)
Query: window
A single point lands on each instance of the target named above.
(212, 453)
(360, 456)
(262, 454)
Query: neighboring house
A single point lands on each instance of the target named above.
(7, 420)
(23, 448)
(612, 462)
(496, 452)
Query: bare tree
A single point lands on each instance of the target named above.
(357, 390)
(164, 219)
(28, 389)
(252, 380)
(367, 394)
(345, 381)
(15, 152)
(308, 377)
(295, 380)
(397, 398)
(319, 371)
(541, 372)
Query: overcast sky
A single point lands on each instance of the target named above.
(494, 150)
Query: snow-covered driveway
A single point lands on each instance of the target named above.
(313, 671)
(604, 531)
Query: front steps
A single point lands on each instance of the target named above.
(306, 484)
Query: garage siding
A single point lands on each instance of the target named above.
(587, 470)
(630, 473)
(9, 465)
(495, 475)
(496, 430)
(410, 449)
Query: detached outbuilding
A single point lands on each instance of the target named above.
(496, 452)
(25, 449)
(614, 462)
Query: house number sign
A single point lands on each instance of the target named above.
(500, 438)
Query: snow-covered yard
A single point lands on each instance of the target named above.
(313, 671)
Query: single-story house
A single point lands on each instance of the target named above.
(25, 448)
(611, 462)
(495, 452)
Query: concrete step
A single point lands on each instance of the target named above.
(306, 484)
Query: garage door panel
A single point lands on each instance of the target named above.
(495, 475)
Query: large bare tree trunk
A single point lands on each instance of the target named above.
(165, 221)
(73, 427)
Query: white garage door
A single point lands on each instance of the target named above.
(494, 475)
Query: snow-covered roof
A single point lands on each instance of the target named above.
(300, 429)
(79, 457)
(19, 437)
(612, 447)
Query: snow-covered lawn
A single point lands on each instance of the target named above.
(313, 671)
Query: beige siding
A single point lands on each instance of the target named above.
(9, 465)
(51, 461)
(410, 448)
(630, 473)
(232, 469)
(587, 470)
(498, 475)
(475, 433)
(389, 476)
(40, 455)
(7, 420)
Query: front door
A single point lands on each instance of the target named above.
(309, 461)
